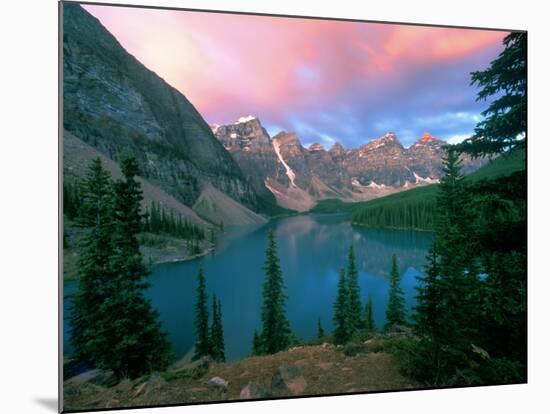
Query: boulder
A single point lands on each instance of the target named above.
(218, 382)
(287, 380)
(254, 390)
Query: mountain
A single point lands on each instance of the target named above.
(77, 156)
(280, 166)
(299, 177)
(115, 104)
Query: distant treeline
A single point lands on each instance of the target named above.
(156, 218)
(412, 213)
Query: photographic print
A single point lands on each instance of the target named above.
(263, 206)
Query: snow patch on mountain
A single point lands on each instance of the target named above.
(377, 186)
(244, 119)
(290, 174)
(426, 180)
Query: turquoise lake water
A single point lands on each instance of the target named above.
(312, 249)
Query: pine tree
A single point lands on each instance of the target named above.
(275, 333)
(96, 251)
(131, 328)
(353, 292)
(202, 344)
(320, 330)
(220, 336)
(216, 332)
(506, 117)
(427, 313)
(369, 316)
(342, 325)
(459, 284)
(395, 313)
(257, 348)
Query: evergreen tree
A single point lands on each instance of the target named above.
(96, 251)
(275, 333)
(369, 316)
(395, 313)
(353, 293)
(216, 332)
(428, 298)
(320, 330)
(130, 327)
(506, 117)
(257, 348)
(202, 344)
(459, 285)
(342, 323)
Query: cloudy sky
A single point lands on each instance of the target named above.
(325, 80)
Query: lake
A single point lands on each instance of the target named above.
(312, 249)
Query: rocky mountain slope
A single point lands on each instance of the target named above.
(298, 177)
(114, 103)
(77, 156)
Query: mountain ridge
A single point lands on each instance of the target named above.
(299, 177)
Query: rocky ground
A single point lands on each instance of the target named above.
(303, 370)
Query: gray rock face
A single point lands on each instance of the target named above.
(381, 161)
(293, 172)
(251, 146)
(114, 103)
(298, 176)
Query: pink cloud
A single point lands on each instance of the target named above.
(229, 65)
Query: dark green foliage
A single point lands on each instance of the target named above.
(135, 342)
(113, 323)
(334, 205)
(275, 334)
(320, 330)
(257, 344)
(506, 117)
(72, 199)
(158, 220)
(216, 332)
(428, 298)
(354, 348)
(202, 343)
(193, 247)
(369, 316)
(353, 292)
(395, 312)
(414, 213)
(348, 318)
(96, 251)
(461, 315)
(342, 324)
